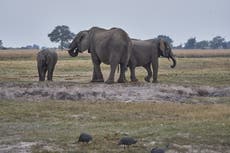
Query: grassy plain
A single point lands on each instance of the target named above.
(21, 66)
(55, 125)
(58, 125)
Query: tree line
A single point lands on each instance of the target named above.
(62, 35)
(217, 42)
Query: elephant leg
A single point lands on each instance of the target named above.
(97, 74)
(149, 71)
(50, 73)
(155, 69)
(43, 73)
(122, 78)
(132, 74)
(40, 73)
(112, 73)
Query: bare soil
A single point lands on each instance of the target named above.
(130, 92)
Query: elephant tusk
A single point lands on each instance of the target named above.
(73, 53)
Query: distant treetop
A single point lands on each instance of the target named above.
(61, 34)
(1, 44)
(165, 38)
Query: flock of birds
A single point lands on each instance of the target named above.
(125, 141)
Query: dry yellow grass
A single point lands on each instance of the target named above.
(20, 65)
(31, 54)
(202, 52)
(20, 54)
(17, 54)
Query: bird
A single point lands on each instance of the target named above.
(159, 150)
(127, 141)
(85, 138)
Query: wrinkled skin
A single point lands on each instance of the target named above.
(146, 53)
(112, 47)
(46, 61)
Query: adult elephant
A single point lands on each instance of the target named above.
(146, 53)
(112, 47)
(46, 61)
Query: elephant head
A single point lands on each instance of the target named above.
(79, 44)
(166, 51)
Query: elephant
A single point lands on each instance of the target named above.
(111, 47)
(46, 61)
(146, 53)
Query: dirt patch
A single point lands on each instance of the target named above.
(138, 92)
(21, 147)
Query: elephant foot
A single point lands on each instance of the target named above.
(97, 80)
(109, 81)
(154, 81)
(41, 79)
(122, 80)
(147, 79)
(134, 80)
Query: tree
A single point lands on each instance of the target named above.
(1, 44)
(202, 44)
(61, 34)
(226, 45)
(34, 46)
(190, 44)
(217, 42)
(166, 38)
(179, 46)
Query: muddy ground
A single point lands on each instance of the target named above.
(138, 92)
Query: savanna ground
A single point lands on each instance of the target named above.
(189, 107)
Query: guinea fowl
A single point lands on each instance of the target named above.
(84, 137)
(127, 141)
(159, 150)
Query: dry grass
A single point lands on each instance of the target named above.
(21, 66)
(31, 54)
(58, 124)
(201, 53)
(17, 54)
(28, 54)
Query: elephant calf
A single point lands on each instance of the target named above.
(146, 53)
(46, 61)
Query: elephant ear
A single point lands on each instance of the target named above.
(83, 41)
(162, 45)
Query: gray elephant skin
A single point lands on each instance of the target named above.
(111, 47)
(46, 61)
(146, 53)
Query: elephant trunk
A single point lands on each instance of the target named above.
(174, 61)
(73, 53)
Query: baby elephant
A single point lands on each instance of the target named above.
(46, 61)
